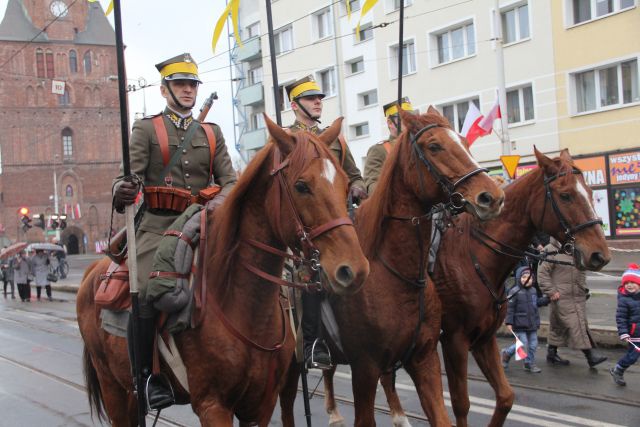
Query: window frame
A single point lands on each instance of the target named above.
(353, 130)
(569, 11)
(286, 104)
(435, 34)
(332, 70)
(41, 70)
(343, 7)
(516, 8)
(87, 55)
(252, 72)
(73, 61)
(350, 62)
(360, 96)
(393, 58)
(522, 108)
(67, 143)
(249, 30)
(390, 7)
(363, 27)
(278, 42)
(456, 114)
(315, 27)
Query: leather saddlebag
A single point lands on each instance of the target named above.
(113, 292)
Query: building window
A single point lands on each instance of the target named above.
(255, 76)
(354, 5)
(515, 23)
(609, 86)
(587, 10)
(68, 192)
(456, 111)
(365, 33)
(367, 99)
(67, 143)
(283, 40)
(49, 64)
(408, 59)
(64, 99)
(322, 23)
(456, 43)
(257, 121)
(40, 64)
(253, 30)
(86, 61)
(520, 104)
(73, 61)
(393, 5)
(360, 130)
(355, 66)
(327, 80)
(285, 103)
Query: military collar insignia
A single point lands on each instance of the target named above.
(179, 122)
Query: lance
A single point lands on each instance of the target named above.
(129, 216)
(400, 49)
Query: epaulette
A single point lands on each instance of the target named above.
(152, 116)
(382, 142)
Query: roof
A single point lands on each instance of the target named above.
(17, 25)
(98, 30)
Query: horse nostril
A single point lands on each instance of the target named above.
(597, 259)
(484, 199)
(344, 275)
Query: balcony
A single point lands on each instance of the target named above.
(251, 95)
(251, 49)
(254, 139)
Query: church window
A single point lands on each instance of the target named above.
(67, 143)
(40, 63)
(87, 62)
(49, 61)
(69, 191)
(73, 61)
(66, 98)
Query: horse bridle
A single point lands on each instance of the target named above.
(456, 201)
(569, 231)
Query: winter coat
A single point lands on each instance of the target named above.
(628, 314)
(21, 269)
(568, 316)
(40, 265)
(522, 311)
(8, 271)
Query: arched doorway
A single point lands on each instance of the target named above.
(73, 245)
(72, 238)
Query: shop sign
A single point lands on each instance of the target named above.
(593, 169)
(624, 168)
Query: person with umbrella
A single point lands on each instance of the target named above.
(40, 266)
(21, 268)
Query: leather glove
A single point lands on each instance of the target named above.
(214, 203)
(126, 195)
(357, 194)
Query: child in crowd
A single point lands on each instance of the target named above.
(628, 321)
(523, 318)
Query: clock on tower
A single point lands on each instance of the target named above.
(58, 9)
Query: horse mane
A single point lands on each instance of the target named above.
(374, 210)
(226, 219)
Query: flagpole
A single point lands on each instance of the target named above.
(400, 51)
(502, 91)
(129, 214)
(274, 66)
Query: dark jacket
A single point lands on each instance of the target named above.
(628, 314)
(522, 311)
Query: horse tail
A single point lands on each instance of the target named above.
(94, 392)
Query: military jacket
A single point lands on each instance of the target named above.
(190, 171)
(349, 166)
(376, 156)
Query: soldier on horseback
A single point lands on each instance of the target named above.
(306, 102)
(176, 159)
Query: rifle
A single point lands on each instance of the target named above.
(207, 106)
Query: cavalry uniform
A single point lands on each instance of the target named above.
(378, 153)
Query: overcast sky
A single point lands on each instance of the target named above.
(157, 30)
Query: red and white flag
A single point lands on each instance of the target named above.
(476, 125)
(521, 353)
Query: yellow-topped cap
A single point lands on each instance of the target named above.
(391, 109)
(306, 86)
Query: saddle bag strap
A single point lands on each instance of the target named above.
(211, 139)
(180, 235)
(343, 149)
(172, 274)
(387, 146)
(188, 136)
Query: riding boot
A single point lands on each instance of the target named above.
(554, 358)
(316, 352)
(158, 390)
(592, 359)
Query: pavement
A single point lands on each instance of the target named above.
(601, 306)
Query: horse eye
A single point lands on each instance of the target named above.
(302, 187)
(566, 197)
(434, 147)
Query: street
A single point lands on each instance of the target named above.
(42, 382)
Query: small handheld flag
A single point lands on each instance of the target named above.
(636, 347)
(520, 351)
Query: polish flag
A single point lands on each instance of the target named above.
(77, 214)
(476, 125)
(521, 353)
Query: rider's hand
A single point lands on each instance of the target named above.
(126, 194)
(357, 194)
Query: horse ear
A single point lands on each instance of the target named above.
(280, 136)
(565, 156)
(410, 121)
(434, 110)
(545, 163)
(331, 133)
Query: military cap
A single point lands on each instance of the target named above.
(306, 86)
(391, 109)
(181, 67)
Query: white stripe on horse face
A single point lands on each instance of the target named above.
(329, 171)
(584, 193)
(457, 139)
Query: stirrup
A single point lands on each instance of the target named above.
(312, 363)
(165, 383)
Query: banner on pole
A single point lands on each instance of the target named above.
(57, 87)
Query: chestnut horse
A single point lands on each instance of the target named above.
(396, 316)
(554, 199)
(236, 359)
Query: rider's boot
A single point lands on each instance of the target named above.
(158, 393)
(316, 352)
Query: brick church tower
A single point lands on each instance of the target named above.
(75, 135)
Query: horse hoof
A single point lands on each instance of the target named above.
(340, 423)
(402, 421)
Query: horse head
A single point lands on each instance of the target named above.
(442, 167)
(568, 213)
(310, 205)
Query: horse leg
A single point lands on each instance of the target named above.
(288, 394)
(426, 375)
(364, 382)
(212, 414)
(119, 404)
(335, 418)
(398, 417)
(455, 355)
(488, 358)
